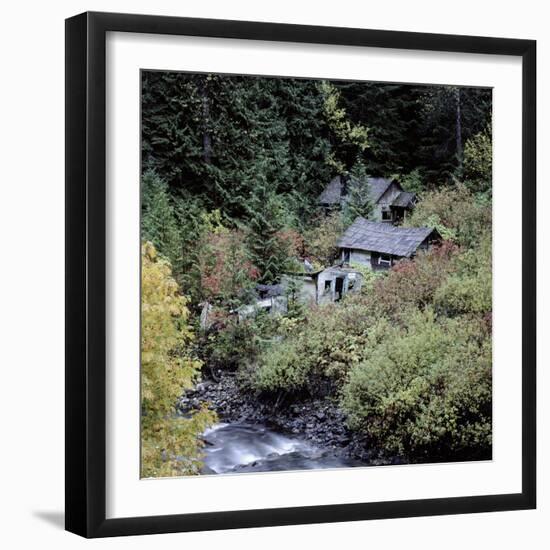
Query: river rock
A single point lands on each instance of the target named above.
(319, 421)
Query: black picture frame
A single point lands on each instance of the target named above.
(86, 274)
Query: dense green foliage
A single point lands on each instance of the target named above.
(478, 162)
(321, 238)
(416, 127)
(456, 213)
(203, 134)
(424, 390)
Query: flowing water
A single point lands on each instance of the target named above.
(254, 448)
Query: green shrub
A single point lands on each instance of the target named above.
(469, 288)
(478, 162)
(455, 212)
(321, 238)
(424, 392)
(323, 347)
(282, 369)
(414, 282)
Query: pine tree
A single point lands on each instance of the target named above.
(359, 199)
(268, 251)
(158, 223)
(450, 117)
(348, 138)
(391, 113)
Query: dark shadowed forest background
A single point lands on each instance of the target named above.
(232, 169)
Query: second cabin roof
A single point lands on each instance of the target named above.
(384, 238)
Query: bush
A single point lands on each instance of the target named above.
(369, 277)
(414, 282)
(455, 212)
(424, 392)
(469, 288)
(232, 345)
(282, 369)
(170, 445)
(320, 350)
(227, 274)
(478, 162)
(320, 240)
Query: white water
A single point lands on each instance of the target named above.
(245, 448)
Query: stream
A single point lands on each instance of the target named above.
(240, 447)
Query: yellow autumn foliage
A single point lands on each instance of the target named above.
(170, 444)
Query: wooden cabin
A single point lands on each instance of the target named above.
(391, 202)
(379, 245)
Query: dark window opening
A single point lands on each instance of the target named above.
(339, 288)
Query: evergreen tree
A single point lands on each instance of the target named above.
(347, 138)
(202, 133)
(359, 203)
(359, 200)
(158, 223)
(450, 116)
(267, 249)
(391, 112)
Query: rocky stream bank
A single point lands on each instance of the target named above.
(315, 424)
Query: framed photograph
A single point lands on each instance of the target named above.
(300, 274)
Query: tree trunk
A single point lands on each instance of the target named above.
(206, 137)
(459, 148)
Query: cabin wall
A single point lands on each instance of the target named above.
(356, 257)
(377, 213)
(326, 284)
(326, 287)
(385, 201)
(307, 289)
(322, 287)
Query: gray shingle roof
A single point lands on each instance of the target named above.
(378, 187)
(384, 238)
(333, 191)
(404, 199)
(270, 291)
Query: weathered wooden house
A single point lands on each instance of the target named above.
(379, 245)
(391, 202)
(324, 286)
(310, 288)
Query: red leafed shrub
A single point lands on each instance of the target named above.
(226, 270)
(293, 242)
(414, 282)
